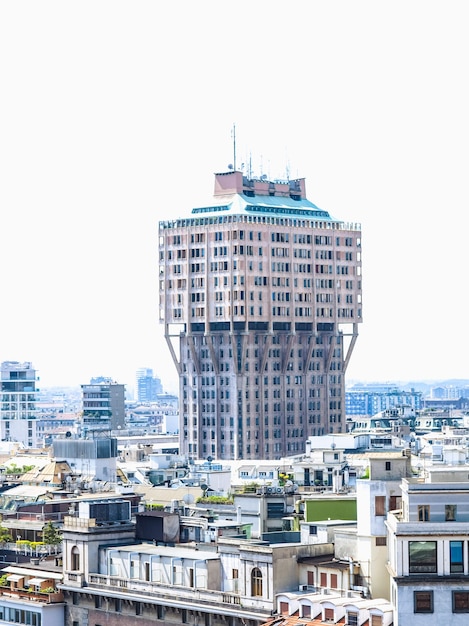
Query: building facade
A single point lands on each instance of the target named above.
(428, 553)
(148, 385)
(18, 403)
(372, 399)
(103, 405)
(260, 297)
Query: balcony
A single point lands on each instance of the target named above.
(32, 596)
(174, 594)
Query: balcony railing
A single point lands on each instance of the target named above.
(32, 596)
(172, 593)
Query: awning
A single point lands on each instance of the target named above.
(37, 582)
(14, 578)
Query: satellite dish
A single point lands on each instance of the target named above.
(188, 498)
(230, 166)
(204, 487)
(68, 434)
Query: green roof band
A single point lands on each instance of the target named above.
(211, 209)
(266, 209)
(286, 211)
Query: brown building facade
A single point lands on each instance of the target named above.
(260, 297)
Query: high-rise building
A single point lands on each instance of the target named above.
(103, 405)
(18, 403)
(260, 297)
(148, 385)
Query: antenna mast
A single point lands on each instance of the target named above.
(233, 134)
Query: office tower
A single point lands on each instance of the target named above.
(18, 405)
(148, 386)
(260, 297)
(103, 405)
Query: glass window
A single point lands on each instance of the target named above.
(352, 619)
(423, 601)
(423, 512)
(450, 512)
(256, 582)
(456, 556)
(460, 601)
(422, 557)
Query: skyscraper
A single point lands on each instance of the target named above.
(18, 403)
(260, 297)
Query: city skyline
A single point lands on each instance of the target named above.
(108, 108)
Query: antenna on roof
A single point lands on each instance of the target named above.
(233, 135)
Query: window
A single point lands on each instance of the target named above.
(97, 602)
(387, 466)
(423, 511)
(352, 619)
(423, 601)
(118, 605)
(284, 608)
(422, 557)
(138, 608)
(380, 505)
(333, 581)
(75, 559)
(313, 530)
(380, 541)
(450, 512)
(460, 601)
(256, 582)
(376, 620)
(456, 557)
(394, 503)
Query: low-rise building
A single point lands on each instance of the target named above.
(428, 553)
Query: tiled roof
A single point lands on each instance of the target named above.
(295, 620)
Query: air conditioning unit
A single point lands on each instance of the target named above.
(303, 588)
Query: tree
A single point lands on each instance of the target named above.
(50, 535)
(5, 535)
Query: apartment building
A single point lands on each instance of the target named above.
(18, 403)
(260, 297)
(428, 553)
(103, 405)
(113, 576)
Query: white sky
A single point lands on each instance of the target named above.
(114, 115)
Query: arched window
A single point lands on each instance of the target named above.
(75, 561)
(256, 582)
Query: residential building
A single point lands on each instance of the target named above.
(28, 594)
(18, 403)
(371, 399)
(103, 405)
(148, 385)
(110, 573)
(376, 495)
(260, 297)
(428, 553)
